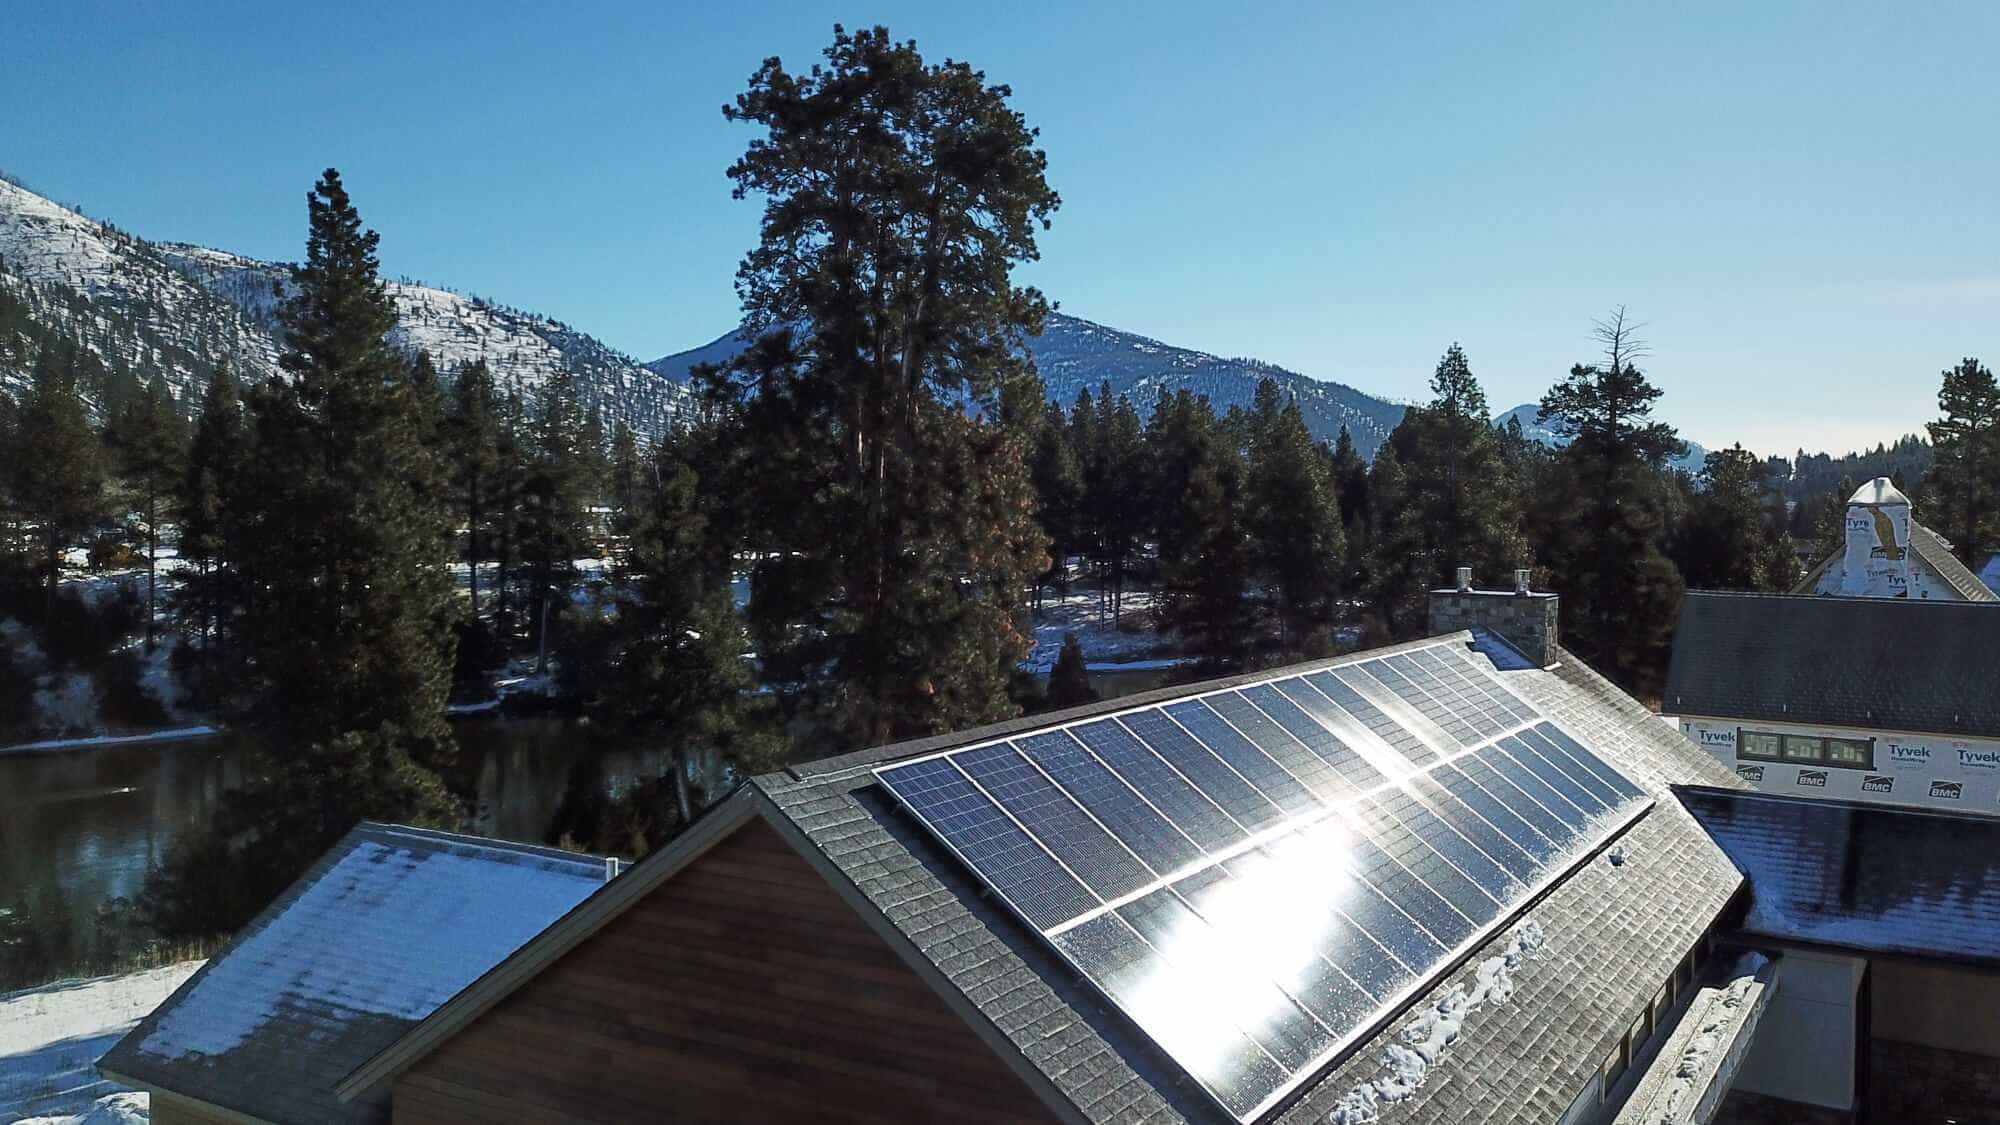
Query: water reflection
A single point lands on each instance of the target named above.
(81, 828)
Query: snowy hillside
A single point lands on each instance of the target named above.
(202, 306)
(1074, 353)
(1535, 429)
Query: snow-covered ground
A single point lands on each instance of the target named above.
(51, 1038)
(1129, 644)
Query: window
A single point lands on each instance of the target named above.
(1799, 748)
(1757, 745)
(1854, 753)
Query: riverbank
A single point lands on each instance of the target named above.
(94, 741)
(52, 1036)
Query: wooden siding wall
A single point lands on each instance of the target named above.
(742, 989)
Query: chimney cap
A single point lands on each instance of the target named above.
(1879, 493)
(1521, 579)
(1464, 579)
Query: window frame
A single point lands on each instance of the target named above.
(1867, 750)
(1818, 744)
(1745, 754)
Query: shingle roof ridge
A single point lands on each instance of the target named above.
(387, 832)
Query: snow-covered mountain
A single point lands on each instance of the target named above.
(1535, 429)
(1074, 354)
(180, 310)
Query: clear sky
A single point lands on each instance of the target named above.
(1802, 202)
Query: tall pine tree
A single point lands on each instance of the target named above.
(1297, 541)
(149, 441)
(1610, 507)
(353, 626)
(900, 534)
(1963, 485)
(57, 466)
(1460, 504)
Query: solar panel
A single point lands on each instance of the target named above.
(1258, 877)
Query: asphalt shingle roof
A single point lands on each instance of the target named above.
(389, 924)
(1879, 880)
(1612, 934)
(1872, 663)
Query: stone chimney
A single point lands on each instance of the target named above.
(1877, 560)
(1520, 616)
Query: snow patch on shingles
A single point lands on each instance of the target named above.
(1694, 1060)
(385, 932)
(1424, 1039)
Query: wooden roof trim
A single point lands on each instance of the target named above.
(969, 1013)
(565, 934)
(161, 1097)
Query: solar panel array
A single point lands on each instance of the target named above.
(1259, 876)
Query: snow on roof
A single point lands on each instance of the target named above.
(389, 925)
(1882, 880)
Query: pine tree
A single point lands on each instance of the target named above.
(1733, 538)
(1460, 502)
(1117, 493)
(1058, 494)
(149, 441)
(1609, 511)
(1296, 537)
(472, 426)
(628, 486)
(900, 532)
(215, 458)
(555, 496)
(1204, 553)
(1964, 478)
(353, 627)
(684, 682)
(1069, 679)
(57, 468)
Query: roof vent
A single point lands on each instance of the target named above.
(1521, 580)
(1464, 579)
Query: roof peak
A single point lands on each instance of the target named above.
(1880, 493)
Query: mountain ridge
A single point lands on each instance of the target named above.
(1074, 354)
(181, 309)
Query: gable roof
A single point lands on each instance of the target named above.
(1898, 881)
(389, 924)
(1873, 663)
(1930, 548)
(1611, 933)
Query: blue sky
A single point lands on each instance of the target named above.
(1798, 200)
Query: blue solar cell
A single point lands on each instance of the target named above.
(1524, 752)
(1577, 771)
(1334, 685)
(1158, 844)
(1242, 755)
(1173, 794)
(1352, 770)
(1244, 803)
(1412, 895)
(1540, 848)
(1216, 977)
(1085, 848)
(1423, 823)
(1012, 862)
(1479, 685)
(1311, 770)
(1528, 782)
(1457, 730)
(1426, 860)
(1484, 718)
(1487, 836)
(1510, 795)
(1134, 976)
(1590, 761)
(1283, 941)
